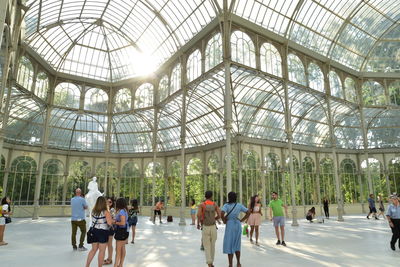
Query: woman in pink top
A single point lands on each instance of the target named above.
(255, 217)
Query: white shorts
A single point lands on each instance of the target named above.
(2, 221)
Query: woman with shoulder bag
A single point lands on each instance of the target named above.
(4, 218)
(121, 231)
(233, 230)
(132, 218)
(101, 221)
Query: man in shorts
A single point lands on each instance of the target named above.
(372, 208)
(276, 215)
(157, 210)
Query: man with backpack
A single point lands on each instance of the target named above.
(207, 214)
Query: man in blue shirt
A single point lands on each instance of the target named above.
(393, 216)
(371, 204)
(78, 206)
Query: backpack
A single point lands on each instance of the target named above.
(209, 213)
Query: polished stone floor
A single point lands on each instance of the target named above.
(354, 242)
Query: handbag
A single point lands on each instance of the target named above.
(245, 227)
(90, 237)
(8, 220)
(226, 216)
(121, 233)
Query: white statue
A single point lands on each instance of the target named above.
(92, 195)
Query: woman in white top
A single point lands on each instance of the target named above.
(5, 213)
(101, 221)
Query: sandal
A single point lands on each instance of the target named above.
(107, 262)
(3, 243)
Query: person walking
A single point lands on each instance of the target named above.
(233, 230)
(157, 210)
(101, 222)
(133, 218)
(4, 218)
(208, 213)
(393, 217)
(111, 209)
(121, 231)
(277, 216)
(381, 207)
(78, 207)
(193, 212)
(372, 209)
(326, 207)
(255, 217)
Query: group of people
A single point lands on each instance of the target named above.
(209, 213)
(109, 221)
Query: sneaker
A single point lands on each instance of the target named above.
(132, 242)
(278, 242)
(74, 248)
(283, 243)
(376, 218)
(160, 222)
(392, 246)
(82, 248)
(368, 217)
(201, 247)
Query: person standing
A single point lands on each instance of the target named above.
(157, 210)
(233, 230)
(326, 207)
(371, 204)
(101, 222)
(207, 215)
(133, 218)
(111, 209)
(393, 217)
(381, 207)
(5, 215)
(78, 207)
(255, 217)
(193, 212)
(121, 231)
(276, 215)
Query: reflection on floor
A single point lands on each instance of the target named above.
(355, 242)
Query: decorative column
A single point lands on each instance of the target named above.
(7, 172)
(318, 178)
(292, 180)
(66, 173)
(38, 183)
(221, 186)
(263, 185)
(386, 173)
(227, 93)
(359, 174)
(182, 221)
(240, 170)
(141, 182)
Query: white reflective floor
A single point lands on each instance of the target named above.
(355, 242)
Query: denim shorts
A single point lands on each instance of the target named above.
(278, 221)
(2, 221)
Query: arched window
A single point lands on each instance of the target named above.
(174, 184)
(67, 95)
(144, 96)
(213, 52)
(350, 90)
(296, 70)
(350, 184)
(373, 93)
(78, 177)
(274, 176)
(193, 65)
(194, 181)
(159, 188)
(109, 170)
(52, 183)
(176, 79)
(163, 88)
(242, 49)
(25, 73)
(335, 84)
(310, 186)
(96, 100)
(315, 77)
(130, 181)
(42, 85)
(377, 177)
(327, 180)
(123, 100)
(394, 174)
(251, 175)
(394, 93)
(213, 181)
(296, 167)
(22, 180)
(271, 60)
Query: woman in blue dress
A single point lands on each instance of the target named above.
(233, 230)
